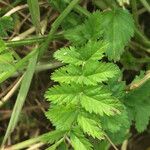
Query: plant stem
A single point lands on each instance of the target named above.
(83, 11)
(27, 143)
(44, 67)
(146, 5)
(141, 82)
(135, 12)
(140, 37)
(33, 40)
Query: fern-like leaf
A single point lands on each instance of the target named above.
(90, 30)
(100, 106)
(91, 74)
(80, 142)
(90, 126)
(62, 117)
(64, 94)
(116, 27)
(53, 136)
(92, 51)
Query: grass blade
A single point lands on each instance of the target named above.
(26, 81)
(35, 13)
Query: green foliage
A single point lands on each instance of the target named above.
(138, 105)
(6, 24)
(79, 141)
(89, 101)
(84, 99)
(6, 58)
(90, 29)
(116, 27)
(53, 136)
(90, 73)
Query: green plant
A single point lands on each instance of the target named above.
(92, 103)
(83, 104)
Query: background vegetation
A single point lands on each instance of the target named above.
(96, 51)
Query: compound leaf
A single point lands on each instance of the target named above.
(91, 74)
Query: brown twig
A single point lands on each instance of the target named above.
(141, 82)
(11, 92)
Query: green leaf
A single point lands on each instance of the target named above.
(99, 105)
(138, 106)
(115, 123)
(90, 126)
(93, 99)
(91, 74)
(53, 136)
(142, 117)
(90, 30)
(6, 58)
(115, 26)
(62, 116)
(76, 35)
(100, 145)
(64, 94)
(54, 146)
(92, 51)
(119, 137)
(2, 46)
(80, 142)
(118, 28)
(6, 24)
(62, 146)
(117, 86)
(68, 55)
